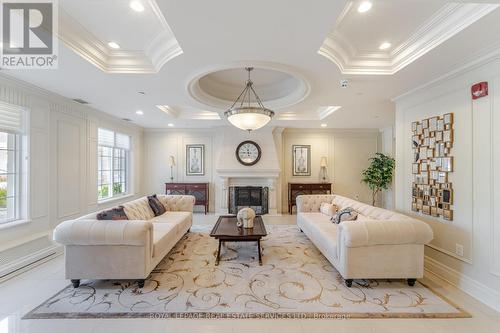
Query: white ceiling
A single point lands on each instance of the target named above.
(170, 46)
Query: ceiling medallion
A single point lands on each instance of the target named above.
(247, 112)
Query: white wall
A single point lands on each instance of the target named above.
(62, 159)
(347, 153)
(476, 152)
(160, 144)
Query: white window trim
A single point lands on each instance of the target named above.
(128, 180)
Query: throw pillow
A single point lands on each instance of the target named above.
(117, 213)
(328, 209)
(346, 214)
(156, 205)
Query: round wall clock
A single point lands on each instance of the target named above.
(248, 153)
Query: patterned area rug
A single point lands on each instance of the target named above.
(295, 281)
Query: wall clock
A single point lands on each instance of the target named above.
(248, 153)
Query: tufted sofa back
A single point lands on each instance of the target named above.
(177, 203)
(139, 209)
(312, 203)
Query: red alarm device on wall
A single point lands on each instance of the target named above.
(479, 90)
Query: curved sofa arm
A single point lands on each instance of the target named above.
(104, 232)
(384, 232)
(312, 203)
(177, 203)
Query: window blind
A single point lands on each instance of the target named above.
(106, 137)
(111, 139)
(11, 118)
(122, 141)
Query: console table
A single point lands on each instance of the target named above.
(198, 190)
(296, 189)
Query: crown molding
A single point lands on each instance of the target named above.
(169, 110)
(444, 24)
(162, 48)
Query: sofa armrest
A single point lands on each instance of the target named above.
(312, 203)
(178, 203)
(384, 232)
(103, 232)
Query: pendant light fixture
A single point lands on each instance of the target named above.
(247, 112)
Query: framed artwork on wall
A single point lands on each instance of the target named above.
(195, 160)
(301, 160)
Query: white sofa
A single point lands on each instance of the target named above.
(124, 249)
(379, 244)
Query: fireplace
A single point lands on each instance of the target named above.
(255, 197)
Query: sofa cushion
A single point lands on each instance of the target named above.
(346, 214)
(116, 213)
(180, 220)
(138, 209)
(322, 232)
(328, 209)
(156, 206)
(164, 237)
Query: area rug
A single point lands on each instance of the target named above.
(295, 281)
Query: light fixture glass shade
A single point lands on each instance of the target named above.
(249, 118)
(323, 162)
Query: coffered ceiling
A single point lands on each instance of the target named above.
(182, 62)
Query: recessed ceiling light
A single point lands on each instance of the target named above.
(137, 6)
(364, 6)
(384, 46)
(139, 112)
(324, 125)
(114, 45)
(170, 125)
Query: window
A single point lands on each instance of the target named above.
(9, 177)
(12, 194)
(112, 164)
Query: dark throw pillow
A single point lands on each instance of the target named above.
(117, 213)
(346, 214)
(156, 206)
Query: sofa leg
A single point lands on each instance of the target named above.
(140, 283)
(348, 283)
(411, 282)
(75, 283)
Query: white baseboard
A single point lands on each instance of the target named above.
(30, 261)
(482, 293)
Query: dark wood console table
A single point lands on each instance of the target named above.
(296, 189)
(198, 190)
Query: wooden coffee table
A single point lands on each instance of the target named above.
(225, 230)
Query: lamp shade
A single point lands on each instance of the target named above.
(249, 118)
(323, 163)
(171, 161)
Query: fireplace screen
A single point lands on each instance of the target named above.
(248, 196)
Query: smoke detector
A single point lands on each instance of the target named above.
(344, 83)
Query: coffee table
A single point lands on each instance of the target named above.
(225, 230)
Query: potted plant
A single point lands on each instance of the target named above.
(378, 176)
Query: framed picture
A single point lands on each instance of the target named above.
(415, 168)
(195, 160)
(447, 164)
(301, 160)
(448, 136)
(433, 124)
(448, 118)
